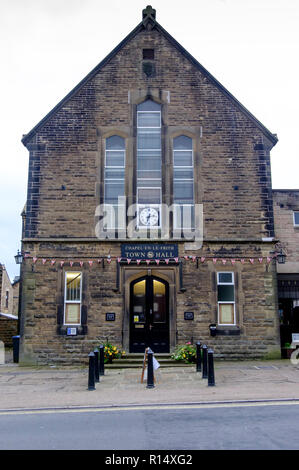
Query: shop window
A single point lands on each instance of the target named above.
(72, 298)
(226, 298)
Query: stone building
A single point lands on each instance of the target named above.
(16, 293)
(6, 291)
(8, 321)
(149, 212)
(286, 219)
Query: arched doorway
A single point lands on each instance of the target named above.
(149, 314)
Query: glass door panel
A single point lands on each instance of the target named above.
(149, 316)
(159, 302)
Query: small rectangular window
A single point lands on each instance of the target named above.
(226, 298)
(72, 298)
(148, 54)
(296, 218)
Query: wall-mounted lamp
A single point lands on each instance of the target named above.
(281, 257)
(19, 257)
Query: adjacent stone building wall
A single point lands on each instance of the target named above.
(286, 201)
(8, 329)
(16, 293)
(6, 305)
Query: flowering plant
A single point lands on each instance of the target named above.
(111, 352)
(185, 353)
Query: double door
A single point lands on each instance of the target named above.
(149, 315)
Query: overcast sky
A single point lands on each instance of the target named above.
(48, 46)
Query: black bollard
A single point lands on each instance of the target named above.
(198, 357)
(150, 369)
(204, 362)
(211, 376)
(96, 365)
(101, 361)
(91, 377)
(16, 347)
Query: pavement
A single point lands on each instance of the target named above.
(35, 388)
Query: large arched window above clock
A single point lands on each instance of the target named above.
(149, 164)
(114, 179)
(183, 182)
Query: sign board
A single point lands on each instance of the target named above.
(71, 331)
(110, 316)
(188, 315)
(149, 251)
(295, 338)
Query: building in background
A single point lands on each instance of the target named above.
(16, 293)
(8, 308)
(6, 291)
(286, 218)
(149, 213)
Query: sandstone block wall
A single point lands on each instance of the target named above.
(65, 186)
(8, 329)
(285, 203)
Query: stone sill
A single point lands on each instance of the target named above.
(228, 331)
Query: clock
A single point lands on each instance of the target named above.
(149, 217)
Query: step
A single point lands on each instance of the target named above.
(135, 360)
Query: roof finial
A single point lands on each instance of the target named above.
(149, 12)
(149, 18)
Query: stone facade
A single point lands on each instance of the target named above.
(8, 322)
(6, 292)
(286, 203)
(8, 329)
(65, 186)
(16, 293)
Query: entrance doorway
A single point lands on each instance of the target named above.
(288, 301)
(149, 314)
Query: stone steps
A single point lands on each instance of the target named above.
(135, 360)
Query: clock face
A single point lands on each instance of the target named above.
(149, 216)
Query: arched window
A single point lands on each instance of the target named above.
(149, 163)
(114, 178)
(183, 182)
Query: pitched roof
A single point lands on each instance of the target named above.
(149, 21)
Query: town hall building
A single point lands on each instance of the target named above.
(149, 213)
